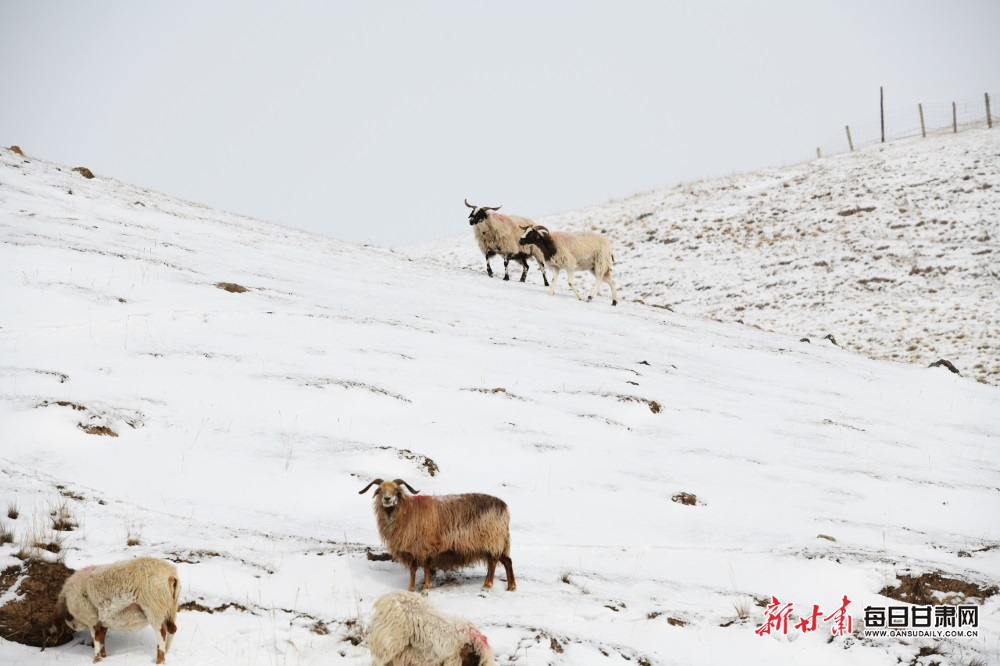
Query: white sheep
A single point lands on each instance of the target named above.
(406, 630)
(574, 251)
(124, 596)
(498, 235)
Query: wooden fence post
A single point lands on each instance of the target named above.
(923, 128)
(881, 109)
(818, 155)
(989, 118)
(850, 144)
(954, 118)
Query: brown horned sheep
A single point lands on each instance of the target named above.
(444, 531)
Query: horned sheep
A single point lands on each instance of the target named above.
(443, 531)
(571, 252)
(498, 235)
(407, 630)
(124, 596)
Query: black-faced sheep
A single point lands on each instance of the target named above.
(406, 630)
(124, 596)
(442, 532)
(573, 251)
(498, 235)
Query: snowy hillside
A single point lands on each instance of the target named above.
(666, 474)
(893, 250)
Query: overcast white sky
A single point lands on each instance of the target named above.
(372, 121)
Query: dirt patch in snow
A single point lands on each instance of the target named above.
(934, 588)
(26, 618)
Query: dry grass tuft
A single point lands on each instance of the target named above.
(133, 533)
(62, 518)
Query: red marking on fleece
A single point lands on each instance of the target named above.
(85, 570)
(502, 218)
(479, 637)
(421, 499)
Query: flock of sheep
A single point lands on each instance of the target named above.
(518, 238)
(420, 531)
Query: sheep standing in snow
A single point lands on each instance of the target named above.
(571, 252)
(124, 596)
(406, 630)
(498, 235)
(442, 532)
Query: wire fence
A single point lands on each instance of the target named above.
(920, 120)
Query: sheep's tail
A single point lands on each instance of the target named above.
(175, 592)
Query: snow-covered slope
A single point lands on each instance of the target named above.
(246, 423)
(893, 250)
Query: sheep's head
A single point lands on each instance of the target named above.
(479, 213)
(534, 234)
(477, 651)
(62, 622)
(388, 494)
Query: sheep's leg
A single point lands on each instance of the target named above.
(541, 267)
(508, 566)
(593, 292)
(491, 568)
(413, 577)
(161, 644)
(614, 291)
(428, 576)
(171, 630)
(506, 262)
(569, 278)
(99, 633)
(524, 273)
(555, 276)
(165, 630)
(489, 269)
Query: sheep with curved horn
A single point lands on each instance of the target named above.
(498, 235)
(443, 531)
(571, 252)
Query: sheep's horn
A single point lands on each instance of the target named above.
(524, 228)
(373, 483)
(483, 207)
(400, 482)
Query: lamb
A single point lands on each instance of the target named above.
(442, 532)
(125, 596)
(406, 630)
(573, 251)
(498, 235)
